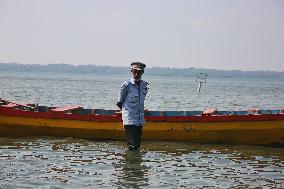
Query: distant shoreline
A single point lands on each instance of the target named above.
(154, 71)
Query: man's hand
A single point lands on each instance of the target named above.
(119, 104)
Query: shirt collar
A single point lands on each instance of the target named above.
(132, 80)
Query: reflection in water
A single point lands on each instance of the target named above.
(134, 173)
(78, 163)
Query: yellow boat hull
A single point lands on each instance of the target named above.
(229, 132)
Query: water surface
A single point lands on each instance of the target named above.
(77, 163)
(165, 93)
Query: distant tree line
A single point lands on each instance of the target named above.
(155, 71)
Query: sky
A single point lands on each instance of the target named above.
(221, 34)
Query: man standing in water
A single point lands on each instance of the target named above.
(131, 98)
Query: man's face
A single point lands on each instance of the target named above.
(136, 74)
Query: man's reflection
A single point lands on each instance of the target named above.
(134, 174)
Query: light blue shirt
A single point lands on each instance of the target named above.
(132, 98)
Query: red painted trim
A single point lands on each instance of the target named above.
(219, 118)
(117, 117)
(58, 115)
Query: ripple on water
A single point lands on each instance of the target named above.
(73, 163)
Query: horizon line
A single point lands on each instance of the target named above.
(217, 69)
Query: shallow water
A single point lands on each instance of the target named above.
(77, 163)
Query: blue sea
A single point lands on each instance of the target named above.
(50, 162)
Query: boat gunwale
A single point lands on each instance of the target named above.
(117, 117)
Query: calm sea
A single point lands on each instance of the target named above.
(46, 162)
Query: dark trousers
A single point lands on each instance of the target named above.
(133, 135)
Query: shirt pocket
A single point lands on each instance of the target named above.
(133, 98)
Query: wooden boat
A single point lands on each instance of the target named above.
(252, 127)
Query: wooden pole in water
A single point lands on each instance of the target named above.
(199, 86)
(200, 78)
